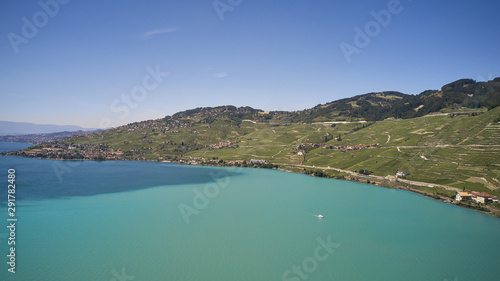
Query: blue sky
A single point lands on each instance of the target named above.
(89, 63)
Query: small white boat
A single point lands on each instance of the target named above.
(320, 216)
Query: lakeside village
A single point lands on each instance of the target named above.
(63, 151)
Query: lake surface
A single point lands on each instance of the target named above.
(161, 221)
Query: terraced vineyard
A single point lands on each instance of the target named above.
(462, 152)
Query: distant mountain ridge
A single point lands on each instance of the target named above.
(42, 137)
(24, 128)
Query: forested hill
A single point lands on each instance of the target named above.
(464, 94)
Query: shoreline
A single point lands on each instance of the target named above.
(352, 177)
(383, 182)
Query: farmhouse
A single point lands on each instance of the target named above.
(401, 174)
(257, 161)
(481, 197)
(462, 196)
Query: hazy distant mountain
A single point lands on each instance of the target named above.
(23, 128)
(43, 137)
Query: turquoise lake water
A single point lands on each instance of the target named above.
(161, 221)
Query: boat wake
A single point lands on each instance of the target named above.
(318, 215)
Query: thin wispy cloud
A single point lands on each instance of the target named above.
(160, 31)
(220, 74)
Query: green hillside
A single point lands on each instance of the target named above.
(463, 152)
(449, 137)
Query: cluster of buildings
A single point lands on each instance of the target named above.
(352, 147)
(75, 152)
(337, 147)
(222, 144)
(399, 174)
(478, 197)
(257, 161)
(204, 161)
(158, 127)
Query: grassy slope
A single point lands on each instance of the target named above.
(461, 165)
(418, 139)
